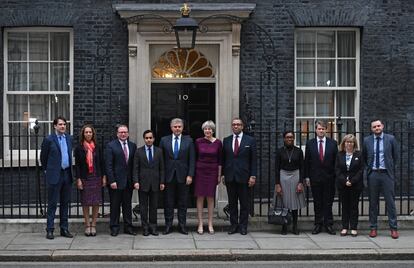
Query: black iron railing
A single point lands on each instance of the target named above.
(23, 190)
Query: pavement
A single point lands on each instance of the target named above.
(267, 244)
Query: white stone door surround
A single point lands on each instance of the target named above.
(222, 33)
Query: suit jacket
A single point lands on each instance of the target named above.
(117, 170)
(149, 175)
(239, 168)
(51, 158)
(354, 173)
(185, 164)
(316, 170)
(391, 153)
(81, 167)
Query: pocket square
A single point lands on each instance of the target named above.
(247, 146)
(356, 158)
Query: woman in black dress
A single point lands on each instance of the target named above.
(289, 178)
(349, 168)
(90, 176)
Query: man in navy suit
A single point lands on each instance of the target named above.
(381, 153)
(56, 159)
(239, 169)
(119, 164)
(179, 161)
(320, 156)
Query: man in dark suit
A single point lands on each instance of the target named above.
(56, 159)
(179, 160)
(381, 153)
(149, 174)
(320, 156)
(239, 169)
(119, 164)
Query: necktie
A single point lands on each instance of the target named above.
(176, 148)
(149, 155)
(236, 145)
(125, 152)
(321, 150)
(377, 154)
(64, 152)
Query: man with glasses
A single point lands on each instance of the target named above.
(119, 164)
(239, 169)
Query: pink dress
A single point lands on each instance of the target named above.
(206, 173)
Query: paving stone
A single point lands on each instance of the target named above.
(226, 244)
(281, 243)
(103, 242)
(221, 236)
(6, 238)
(39, 238)
(164, 243)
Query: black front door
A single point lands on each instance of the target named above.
(192, 102)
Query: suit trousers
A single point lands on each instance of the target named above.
(148, 203)
(173, 191)
(323, 194)
(349, 201)
(59, 192)
(120, 198)
(238, 192)
(381, 182)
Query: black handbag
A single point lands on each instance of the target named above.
(277, 214)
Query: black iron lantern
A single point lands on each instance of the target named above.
(185, 29)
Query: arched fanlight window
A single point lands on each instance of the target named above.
(182, 63)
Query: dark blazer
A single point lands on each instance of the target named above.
(239, 168)
(391, 153)
(116, 168)
(355, 172)
(81, 167)
(185, 164)
(51, 158)
(149, 176)
(316, 170)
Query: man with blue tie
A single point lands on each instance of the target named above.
(381, 154)
(149, 174)
(56, 159)
(179, 160)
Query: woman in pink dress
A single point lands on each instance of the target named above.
(208, 173)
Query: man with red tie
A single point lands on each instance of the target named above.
(320, 155)
(119, 163)
(239, 169)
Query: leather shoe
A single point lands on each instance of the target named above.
(373, 233)
(114, 232)
(145, 232)
(233, 229)
(65, 233)
(129, 231)
(49, 235)
(168, 229)
(394, 234)
(330, 230)
(317, 229)
(243, 231)
(154, 232)
(182, 230)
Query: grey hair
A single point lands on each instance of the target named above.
(209, 124)
(177, 121)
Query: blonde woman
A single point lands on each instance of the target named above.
(349, 168)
